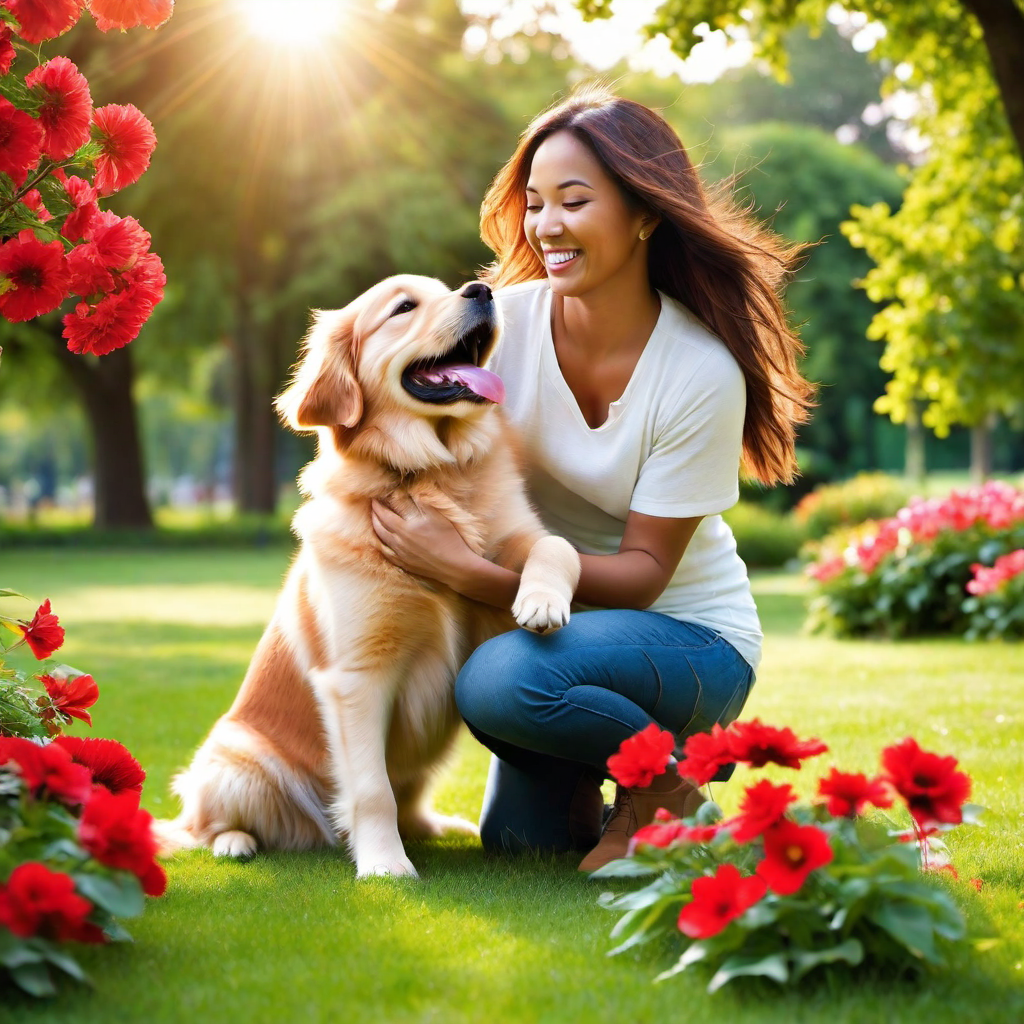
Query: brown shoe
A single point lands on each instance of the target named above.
(635, 808)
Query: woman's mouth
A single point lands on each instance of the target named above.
(557, 260)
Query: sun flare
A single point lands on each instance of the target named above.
(294, 23)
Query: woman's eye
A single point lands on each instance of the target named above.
(575, 204)
(405, 306)
(532, 209)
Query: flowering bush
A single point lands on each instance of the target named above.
(783, 888)
(76, 850)
(58, 156)
(909, 574)
(996, 608)
(832, 506)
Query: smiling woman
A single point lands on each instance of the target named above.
(299, 23)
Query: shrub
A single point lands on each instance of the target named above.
(764, 539)
(996, 607)
(908, 575)
(866, 496)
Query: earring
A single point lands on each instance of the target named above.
(644, 234)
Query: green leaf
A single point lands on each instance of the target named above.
(804, 960)
(694, 953)
(20, 954)
(67, 964)
(772, 966)
(34, 979)
(4, 592)
(120, 894)
(910, 925)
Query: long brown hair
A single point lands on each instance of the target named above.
(714, 258)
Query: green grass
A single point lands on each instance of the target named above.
(294, 937)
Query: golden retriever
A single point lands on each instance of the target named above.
(347, 708)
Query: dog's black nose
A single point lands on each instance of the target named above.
(477, 290)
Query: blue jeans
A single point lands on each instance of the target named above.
(552, 709)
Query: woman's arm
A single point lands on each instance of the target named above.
(426, 544)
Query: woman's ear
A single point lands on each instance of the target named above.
(324, 391)
(647, 226)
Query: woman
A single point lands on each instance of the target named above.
(645, 353)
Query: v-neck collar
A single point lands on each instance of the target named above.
(554, 371)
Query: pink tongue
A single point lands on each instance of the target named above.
(481, 382)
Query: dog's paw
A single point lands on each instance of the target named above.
(542, 611)
(396, 867)
(240, 845)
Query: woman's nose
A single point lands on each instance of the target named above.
(549, 224)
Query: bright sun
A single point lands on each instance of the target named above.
(299, 23)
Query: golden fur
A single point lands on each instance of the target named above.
(347, 706)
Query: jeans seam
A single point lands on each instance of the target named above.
(600, 714)
(657, 676)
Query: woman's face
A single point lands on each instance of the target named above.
(578, 221)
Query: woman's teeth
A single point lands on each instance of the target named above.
(556, 258)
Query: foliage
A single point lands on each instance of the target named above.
(908, 575)
(76, 852)
(778, 890)
(866, 496)
(764, 539)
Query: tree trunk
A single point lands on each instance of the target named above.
(255, 483)
(1002, 25)
(119, 480)
(981, 450)
(915, 466)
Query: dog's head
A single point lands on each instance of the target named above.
(395, 369)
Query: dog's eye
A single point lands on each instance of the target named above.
(405, 306)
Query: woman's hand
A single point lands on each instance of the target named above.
(422, 541)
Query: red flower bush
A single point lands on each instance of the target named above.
(828, 884)
(717, 901)
(44, 634)
(47, 770)
(791, 853)
(641, 757)
(1006, 567)
(932, 787)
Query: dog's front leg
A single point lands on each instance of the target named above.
(356, 708)
(547, 584)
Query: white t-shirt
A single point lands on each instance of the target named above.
(670, 447)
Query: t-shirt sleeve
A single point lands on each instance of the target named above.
(693, 466)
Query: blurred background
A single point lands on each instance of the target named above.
(308, 150)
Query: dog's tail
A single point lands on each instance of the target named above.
(172, 836)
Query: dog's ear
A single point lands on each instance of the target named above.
(324, 391)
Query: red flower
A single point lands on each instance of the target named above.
(757, 744)
(763, 804)
(78, 222)
(21, 141)
(39, 20)
(48, 768)
(125, 14)
(7, 53)
(44, 634)
(705, 753)
(667, 833)
(69, 698)
(38, 901)
(35, 276)
(791, 853)
(641, 757)
(112, 244)
(34, 201)
(110, 763)
(66, 112)
(717, 900)
(111, 323)
(127, 140)
(934, 790)
(118, 833)
(849, 793)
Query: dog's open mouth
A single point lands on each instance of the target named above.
(456, 375)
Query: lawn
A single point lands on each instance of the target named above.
(294, 937)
